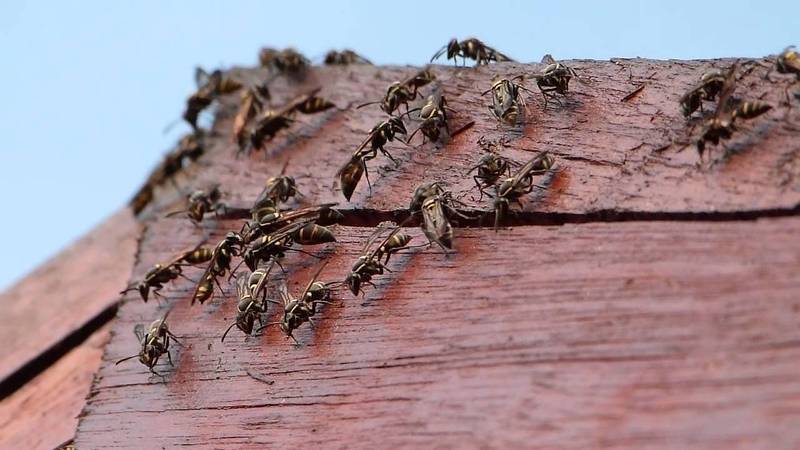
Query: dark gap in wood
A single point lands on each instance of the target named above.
(482, 218)
(47, 358)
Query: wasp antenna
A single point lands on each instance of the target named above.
(409, 111)
(266, 325)
(439, 53)
(412, 135)
(125, 359)
(366, 104)
(171, 125)
(226, 332)
(175, 213)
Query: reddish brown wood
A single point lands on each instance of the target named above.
(662, 334)
(632, 334)
(44, 413)
(616, 156)
(67, 292)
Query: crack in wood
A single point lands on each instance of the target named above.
(366, 217)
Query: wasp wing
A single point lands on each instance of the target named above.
(436, 226)
(138, 330)
(724, 104)
(526, 170)
(313, 279)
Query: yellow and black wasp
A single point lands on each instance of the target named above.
(189, 148)
(554, 79)
(350, 174)
(160, 274)
(252, 292)
(276, 190)
(513, 188)
(491, 166)
(403, 92)
(708, 88)
(297, 311)
(344, 58)
(209, 88)
(436, 205)
(275, 244)
(722, 124)
(252, 103)
(788, 61)
(266, 220)
(434, 118)
(506, 102)
(154, 343)
(369, 262)
(219, 264)
(471, 48)
(271, 122)
(201, 202)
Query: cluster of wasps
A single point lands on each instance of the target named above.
(273, 229)
(720, 86)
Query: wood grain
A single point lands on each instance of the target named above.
(44, 413)
(614, 157)
(642, 331)
(63, 295)
(624, 335)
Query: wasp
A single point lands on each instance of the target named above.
(266, 220)
(403, 92)
(266, 56)
(350, 174)
(554, 78)
(219, 264)
(154, 343)
(297, 311)
(253, 101)
(506, 100)
(490, 168)
(190, 147)
(250, 307)
(788, 62)
(160, 274)
(434, 117)
(521, 183)
(276, 190)
(202, 202)
(722, 124)
(436, 205)
(344, 58)
(290, 61)
(272, 122)
(369, 262)
(275, 244)
(209, 87)
(709, 87)
(471, 48)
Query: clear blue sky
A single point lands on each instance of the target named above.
(89, 86)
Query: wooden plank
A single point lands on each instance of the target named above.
(55, 301)
(44, 413)
(614, 156)
(656, 334)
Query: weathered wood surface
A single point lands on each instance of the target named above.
(614, 153)
(44, 412)
(657, 334)
(58, 299)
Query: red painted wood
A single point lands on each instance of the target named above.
(633, 334)
(657, 334)
(68, 291)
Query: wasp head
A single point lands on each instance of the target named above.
(353, 282)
